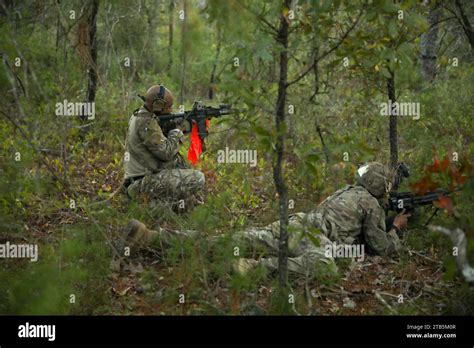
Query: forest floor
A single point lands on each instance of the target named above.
(366, 288)
(149, 284)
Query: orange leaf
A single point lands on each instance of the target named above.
(423, 185)
(445, 203)
(445, 163)
(435, 167)
(459, 178)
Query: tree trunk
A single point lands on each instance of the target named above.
(149, 63)
(170, 36)
(429, 45)
(92, 72)
(216, 61)
(466, 25)
(183, 54)
(325, 148)
(58, 28)
(92, 69)
(393, 122)
(282, 39)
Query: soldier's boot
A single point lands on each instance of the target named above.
(138, 236)
(243, 266)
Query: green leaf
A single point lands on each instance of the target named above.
(264, 55)
(326, 6)
(371, 15)
(262, 131)
(312, 237)
(384, 71)
(405, 48)
(392, 29)
(390, 7)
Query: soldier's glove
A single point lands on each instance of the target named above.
(176, 133)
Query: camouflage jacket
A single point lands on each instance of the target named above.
(148, 149)
(352, 215)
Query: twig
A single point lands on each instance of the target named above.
(388, 294)
(423, 256)
(308, 293)
(430, 27)
(261, 18)
(382, 300)
(118, 139)
(326, 151)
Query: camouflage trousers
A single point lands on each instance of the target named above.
(304, 255)
(169, 185)
(306, 248)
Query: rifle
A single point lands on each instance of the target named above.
(197, 116)
(397, 201)
(409, 201)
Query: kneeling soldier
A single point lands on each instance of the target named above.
(154, 168)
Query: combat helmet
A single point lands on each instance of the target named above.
(157, 99)
(375, 178)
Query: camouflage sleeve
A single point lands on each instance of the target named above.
(375, 234)
(154, 140)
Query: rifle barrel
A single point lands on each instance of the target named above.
(410, 200)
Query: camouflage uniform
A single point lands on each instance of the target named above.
(304, 255)
(155, 167)
(350, 216)
(354, 216)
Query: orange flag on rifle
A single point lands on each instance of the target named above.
(195, 147)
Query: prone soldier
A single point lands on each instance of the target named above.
(352, 215)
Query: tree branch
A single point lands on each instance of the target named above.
(261, 18)
(431, 26)
(465, 24)
(328, 52)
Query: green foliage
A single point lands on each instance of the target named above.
(280, 303)
(462, 303)
(212, 216)
(77, 266)
(326, 274)
(83, 160)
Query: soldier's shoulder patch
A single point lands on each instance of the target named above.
(150, 126)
